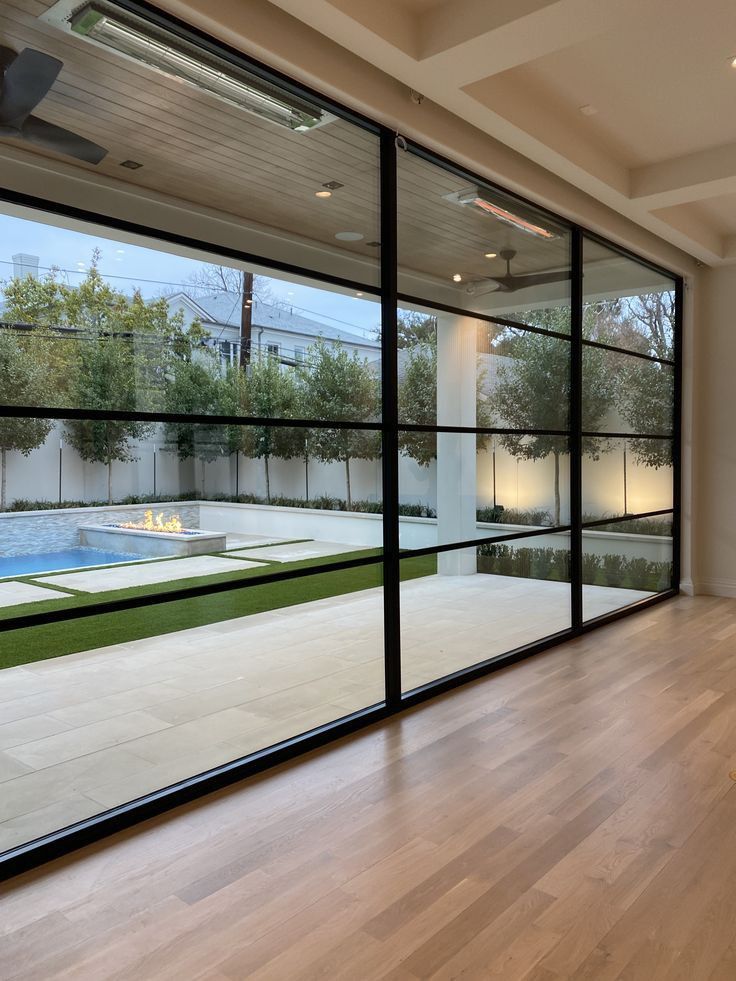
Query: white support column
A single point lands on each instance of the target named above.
(456, 452)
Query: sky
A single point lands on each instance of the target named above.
(128, 266)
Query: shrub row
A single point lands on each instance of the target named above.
(554, 564)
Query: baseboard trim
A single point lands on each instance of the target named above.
(716, 587)
(687, 587)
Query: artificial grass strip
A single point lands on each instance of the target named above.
(57, 639)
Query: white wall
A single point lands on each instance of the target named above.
(520, 484)
(715, 436)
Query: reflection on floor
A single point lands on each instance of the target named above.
(82, 733)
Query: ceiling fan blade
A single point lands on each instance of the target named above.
(26, 82)
(50, 137)
(536, 279)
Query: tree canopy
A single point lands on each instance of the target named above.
(22, 382)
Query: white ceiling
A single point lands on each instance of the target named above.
(661, 145)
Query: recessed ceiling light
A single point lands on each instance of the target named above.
(587, 110)
(358, 294)
(323, 194)
(332, 185)
(131, 164)
(490, 255)
(457, 278)
(349, 236)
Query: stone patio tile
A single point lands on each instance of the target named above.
(85, 739)
(302, 550)
(149, 573)
(15, 593)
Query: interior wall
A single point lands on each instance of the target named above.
(714, 439)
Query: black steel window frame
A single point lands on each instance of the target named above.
(65, 840)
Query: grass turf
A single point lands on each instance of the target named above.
(101, 630)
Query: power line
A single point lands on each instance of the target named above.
(198, 289)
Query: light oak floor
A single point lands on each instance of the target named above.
(89, 731)
(571, 816)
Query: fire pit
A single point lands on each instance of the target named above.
(152, 537)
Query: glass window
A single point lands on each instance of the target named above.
(281, 168)
(463, 371)
(466, 244)
(627, 303)
(626, 394)
(625, 562)
(186, 686)
(454, 487)
(626, 476)
(134, 328)
(465, 606)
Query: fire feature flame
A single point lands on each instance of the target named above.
(172, 525)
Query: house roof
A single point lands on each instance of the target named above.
(224, 309)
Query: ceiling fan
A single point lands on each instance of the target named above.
(25, 80)
(510, 283)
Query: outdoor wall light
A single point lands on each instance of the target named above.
(103, 22)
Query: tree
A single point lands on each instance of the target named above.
(23, 381)
(103, 378)
(418, 403)
(342, 387)
(533, 393)
(197, 387)
(65, 318)
(645, 389)
(270, 393)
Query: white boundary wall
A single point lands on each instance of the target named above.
(525, 485)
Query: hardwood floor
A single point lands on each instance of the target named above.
(569, 817)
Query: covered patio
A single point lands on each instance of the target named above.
(88, 731)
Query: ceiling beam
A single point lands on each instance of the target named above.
(679, 180)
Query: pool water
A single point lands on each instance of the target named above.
(67, 558)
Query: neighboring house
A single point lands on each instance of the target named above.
(276, 328)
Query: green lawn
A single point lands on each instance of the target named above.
(100, 630)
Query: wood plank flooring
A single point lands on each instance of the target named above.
(569, 817)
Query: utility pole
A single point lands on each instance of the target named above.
(246, 319)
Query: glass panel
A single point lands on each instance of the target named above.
(462, 371)
(205, 503)
(468, 245)
(194, 128)
(625, 562)
(624, 394)
(454, 487)
(168, 691)
(462, 607)
(626, 303)
(137, 329)
(626, 476)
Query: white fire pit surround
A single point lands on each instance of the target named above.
(139, 541)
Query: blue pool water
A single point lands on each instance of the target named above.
(67, 558)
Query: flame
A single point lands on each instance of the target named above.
(173, 525)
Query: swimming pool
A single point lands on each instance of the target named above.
(67, 558)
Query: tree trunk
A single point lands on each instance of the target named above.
(347, 482)
(109, 480)
(306, 479)
(268, 479)
(557, 488)
(4, 481)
